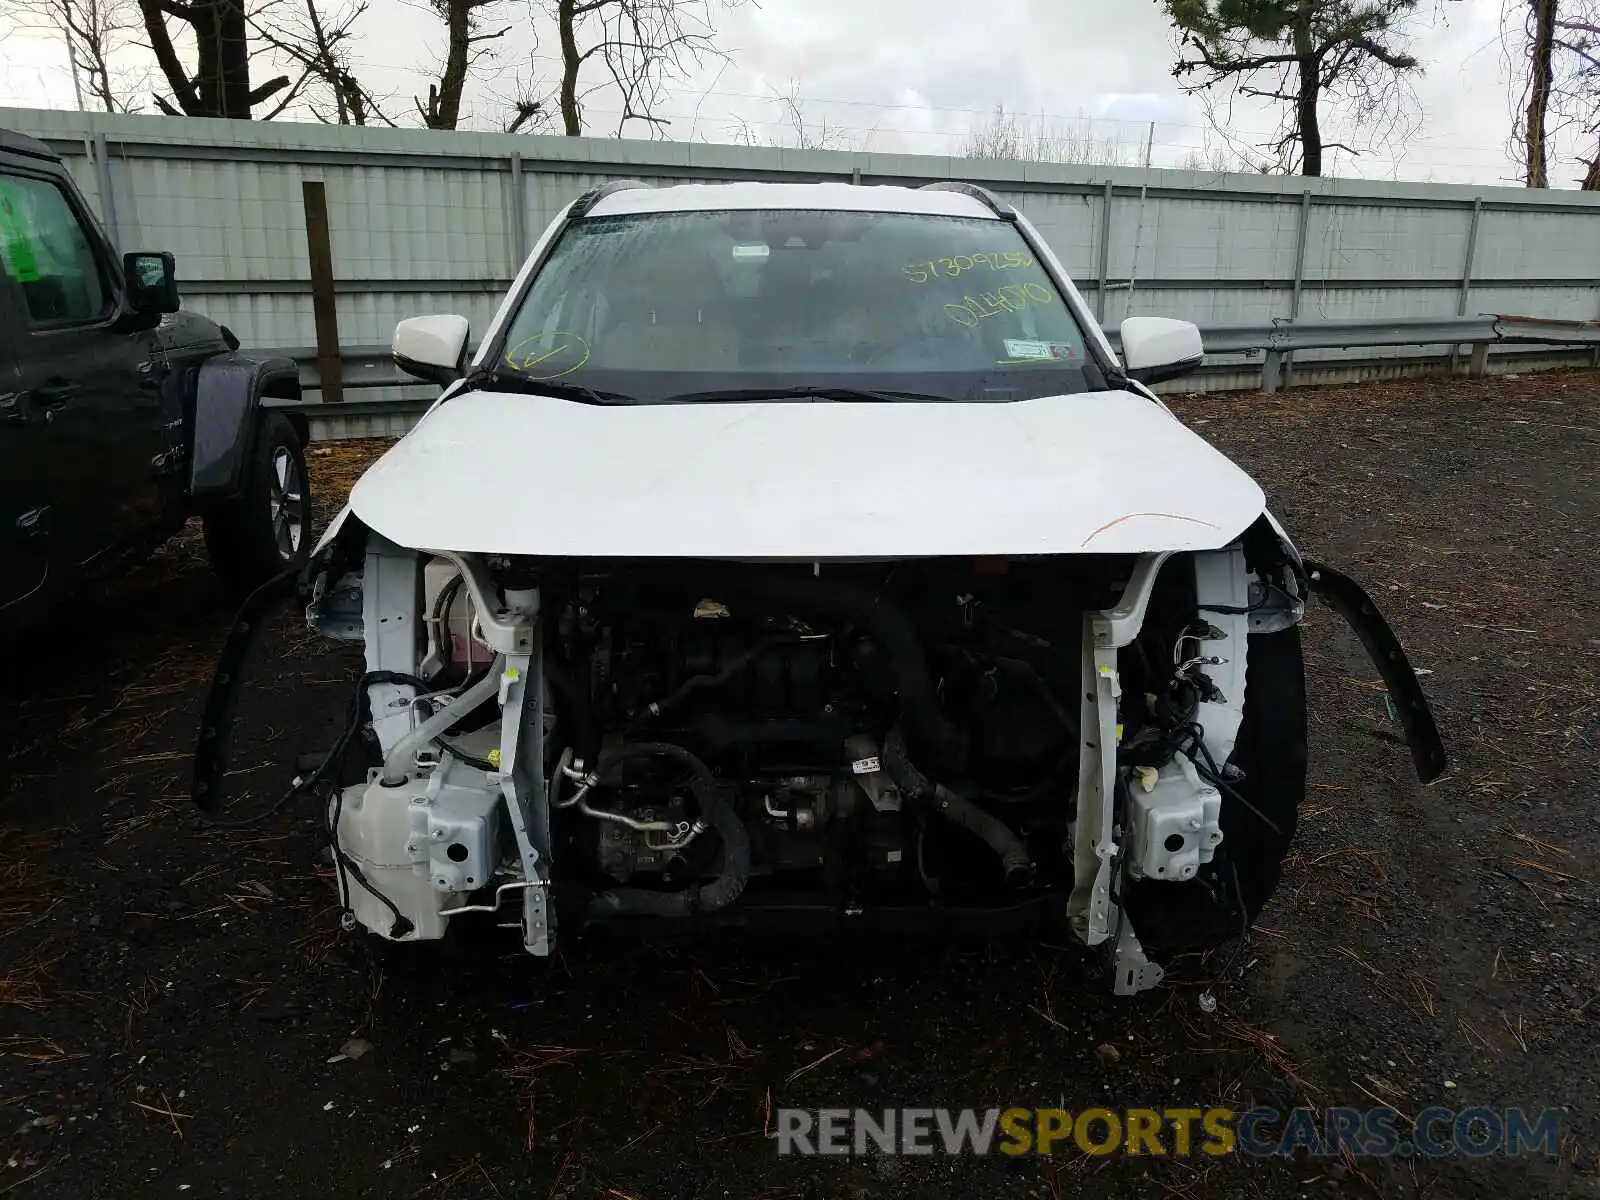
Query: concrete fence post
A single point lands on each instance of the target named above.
(1271, 370)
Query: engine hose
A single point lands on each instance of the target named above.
(574, 706)
(738, 664)
(880, 615)
(720, 892)
(1014, 858)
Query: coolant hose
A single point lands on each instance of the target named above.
(720, 892)
(574, 702)
(1014, 859)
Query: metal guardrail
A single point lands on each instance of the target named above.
(373, 367)
(1284, 336)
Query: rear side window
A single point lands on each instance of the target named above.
(48, 254)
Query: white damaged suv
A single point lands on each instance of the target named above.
(803, 554)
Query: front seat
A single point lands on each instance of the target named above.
(668, 317)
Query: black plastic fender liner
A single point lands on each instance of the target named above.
(1347, 598)
(217, 713)
(228, 392)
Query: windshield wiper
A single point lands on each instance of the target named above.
(505, 381)
(804, 392)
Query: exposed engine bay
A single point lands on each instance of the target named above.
(824, 707)
(955, 739)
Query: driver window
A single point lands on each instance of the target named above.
(47, 252)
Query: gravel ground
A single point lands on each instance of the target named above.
(180, 1015)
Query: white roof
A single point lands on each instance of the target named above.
(705, 197)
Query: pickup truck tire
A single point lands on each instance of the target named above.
(267, 529)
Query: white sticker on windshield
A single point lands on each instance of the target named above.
(758, 250)
(1018, 350)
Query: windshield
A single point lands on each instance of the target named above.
(731, 305)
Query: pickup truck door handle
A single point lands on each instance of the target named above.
(37, 407)
(53, 395)
(34, 523)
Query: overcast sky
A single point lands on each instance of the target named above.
(918, 75)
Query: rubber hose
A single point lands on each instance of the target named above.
(720, 892)
(1014, 858)
(583, 738)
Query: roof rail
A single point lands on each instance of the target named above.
(594, 195)
(983, 195)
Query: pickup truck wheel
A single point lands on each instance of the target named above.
(268, 528)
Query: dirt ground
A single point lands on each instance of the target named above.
(180, 1014)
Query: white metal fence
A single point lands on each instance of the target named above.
(425, 221)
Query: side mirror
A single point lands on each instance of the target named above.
(151, 282)
(1157, 348)
(434, 349)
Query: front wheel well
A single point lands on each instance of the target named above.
(288, 388)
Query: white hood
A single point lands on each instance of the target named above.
(1097, 473)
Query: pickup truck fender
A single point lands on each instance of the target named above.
(228, 394)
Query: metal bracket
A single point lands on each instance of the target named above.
(1220, 579)
(506, 629)
(389, 581)
(1095, 848)
(523, 785)
(335, 612)
(1133, 972)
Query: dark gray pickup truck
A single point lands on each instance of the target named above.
(122, 416)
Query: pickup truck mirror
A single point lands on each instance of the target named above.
(151, 280)
(433, 349)
(1157, 348)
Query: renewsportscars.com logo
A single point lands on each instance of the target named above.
(1177, 1132)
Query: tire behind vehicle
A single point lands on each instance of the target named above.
(241, 539)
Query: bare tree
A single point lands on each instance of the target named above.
(805, 133)
(97, 34)
(526, 108)
(798, 130)
(1531, 132)
(220, 84)
(466, 43)
(636, 46)
(1555, 58)
(321, 47)
(1225, 159)
(1299, 54)
(1578, 39)
(1006, 136)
